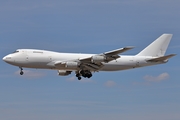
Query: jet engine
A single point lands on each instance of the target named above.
(98, 58)
(72, 65)
(63, 72)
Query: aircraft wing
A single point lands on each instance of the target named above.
(94, 62)
(163, 58)
(118, 51)
(107, 56)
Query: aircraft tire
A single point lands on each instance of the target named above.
(21, 73)
(79, 78)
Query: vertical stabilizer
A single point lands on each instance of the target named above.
(158, 47)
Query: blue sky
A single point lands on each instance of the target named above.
(89, 26)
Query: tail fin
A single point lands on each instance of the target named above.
(158, 47)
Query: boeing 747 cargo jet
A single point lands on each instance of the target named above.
(85, 64)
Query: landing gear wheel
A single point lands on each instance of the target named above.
(21, 73)
(78, 75)
(79, 78)
(89, 75)
(83, 73)
(86, 73)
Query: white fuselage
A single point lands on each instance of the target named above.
(84, 64)
(42, 59)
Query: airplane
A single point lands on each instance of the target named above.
(85, 64)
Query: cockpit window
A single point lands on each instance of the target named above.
(16, 51)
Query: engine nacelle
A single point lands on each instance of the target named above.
(63, 72)
(98, 58)
(72, 65)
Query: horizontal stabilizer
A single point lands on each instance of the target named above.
(160, 59)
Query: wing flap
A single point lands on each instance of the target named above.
(160, 59)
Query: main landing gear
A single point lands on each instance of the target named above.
(21, 72)
(84, 73)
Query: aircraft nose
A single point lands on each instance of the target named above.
(4, 58)
(7, 58)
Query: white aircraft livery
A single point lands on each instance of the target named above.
(85, 64)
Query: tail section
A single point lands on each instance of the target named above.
(158, 47)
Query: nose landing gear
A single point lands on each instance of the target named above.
(21, 72)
